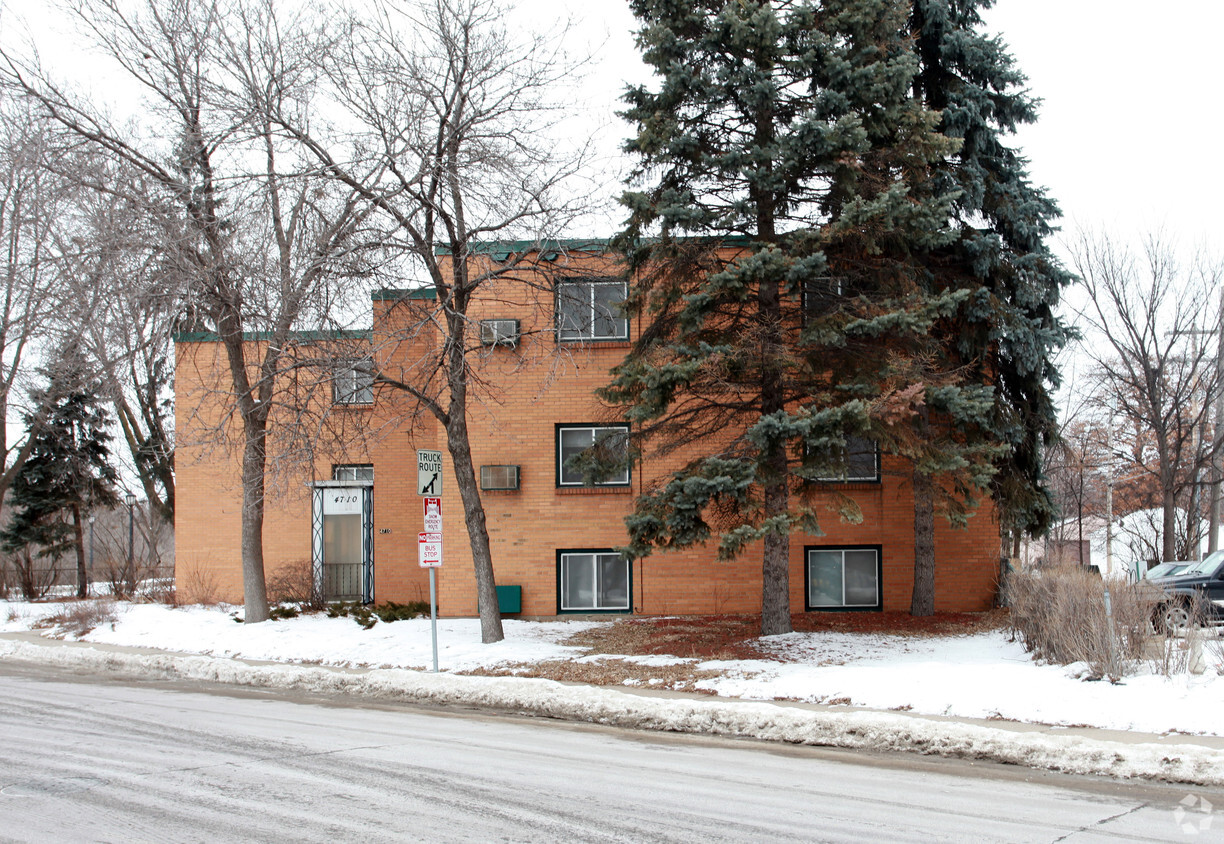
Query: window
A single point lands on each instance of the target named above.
(599, 447)
(822, 295)
(593, 581)
(354, 383)
(857, 462)
(843, 578)
(591, 310)
(353, 472)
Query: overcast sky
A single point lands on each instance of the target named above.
(1130, 116)
(1130, 120)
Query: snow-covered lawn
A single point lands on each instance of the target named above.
(982, 675)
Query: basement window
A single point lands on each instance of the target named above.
(593, 581)
(843, 578)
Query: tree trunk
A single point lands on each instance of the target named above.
(25, 573)
(460, 448)
(477, 529)
(79, 543)
(1168, 544)
(923, 601)
(775, 565)
(254, 587)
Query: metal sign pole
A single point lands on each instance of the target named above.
(433, 613)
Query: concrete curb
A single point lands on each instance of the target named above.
(1181, 759)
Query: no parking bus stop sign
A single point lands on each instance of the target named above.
(429, 550)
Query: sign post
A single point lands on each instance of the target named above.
(429, 555)
(429, 541)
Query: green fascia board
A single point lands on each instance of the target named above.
(502, 249)
(393, 294)
(256, 336)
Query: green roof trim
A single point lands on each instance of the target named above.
(503, 249)
(393, 294)
(299, 336)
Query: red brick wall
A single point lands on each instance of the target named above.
(527, 391)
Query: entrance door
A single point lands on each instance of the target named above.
(342, 545)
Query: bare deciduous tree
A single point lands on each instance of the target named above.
(448, 121)
(123, 302)
(1152, 318)
(32, 200)
(260, 234)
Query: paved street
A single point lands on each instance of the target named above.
(91, 759)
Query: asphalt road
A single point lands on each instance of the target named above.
(88, 758)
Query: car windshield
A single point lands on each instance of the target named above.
(1206, 565)
(1161, 570)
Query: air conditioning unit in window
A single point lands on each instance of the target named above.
(499, 332)
(499, 477)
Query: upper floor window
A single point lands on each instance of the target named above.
(354, 382)
(822, 295)
(604, 445)
(591, 310)
(857, 462)
(353, 472)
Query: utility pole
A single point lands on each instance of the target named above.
(1217, 439)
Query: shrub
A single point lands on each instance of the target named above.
(197, 584)
(293, 583)
(1059, 615)
(387, 611)
(79, 617)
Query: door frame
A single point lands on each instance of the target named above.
(317, 490)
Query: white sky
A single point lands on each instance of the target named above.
(1129, 118)
(1130, 104)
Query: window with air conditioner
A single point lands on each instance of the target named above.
(499, 332)
(499, 477)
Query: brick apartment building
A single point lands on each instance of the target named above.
(350, 512)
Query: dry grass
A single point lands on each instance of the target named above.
(713, 637)
(680, 677)
(737, 636)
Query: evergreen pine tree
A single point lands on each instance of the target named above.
(782, 244)
(68, 472)
(1006, 333)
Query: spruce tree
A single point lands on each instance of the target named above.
(68, 472)
(778, 267)
(1007, 332)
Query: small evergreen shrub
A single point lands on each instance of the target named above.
(368, 616)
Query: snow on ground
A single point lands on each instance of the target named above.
(978, 676)
(983, 675)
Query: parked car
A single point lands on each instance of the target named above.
(1196, 593)
(1167, 569)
